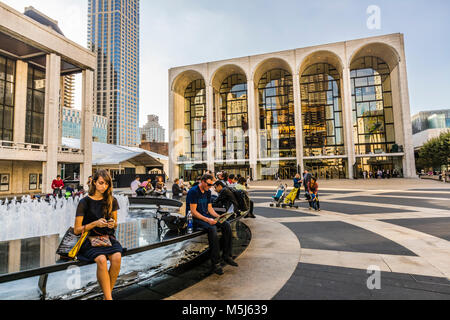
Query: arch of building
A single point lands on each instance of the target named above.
(177, 109)
(388, 54)
(275, 114)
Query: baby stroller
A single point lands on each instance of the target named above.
(279, 196)
(290, 199)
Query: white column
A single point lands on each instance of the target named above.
(210, 127)
(346, 97)
(20, 102)
(409, 164)
(252, 129)
(298, 122)
(87, 108)
(218, 133)
(52, 91)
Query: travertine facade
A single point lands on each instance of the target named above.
(39, 57)
(200, 111)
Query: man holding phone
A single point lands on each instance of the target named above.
(198, 201)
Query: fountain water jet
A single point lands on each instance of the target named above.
(31, 218)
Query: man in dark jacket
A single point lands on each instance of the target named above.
(226, 197)
(306, 179)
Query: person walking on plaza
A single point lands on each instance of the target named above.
(313, 189)
(198, 202)
(57, 186)
(97, 214)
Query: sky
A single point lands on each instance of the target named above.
(179, 32)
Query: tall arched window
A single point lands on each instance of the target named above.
(233, 108)
(373, 117)
(277, 116)
(195, 120)
(322, 111)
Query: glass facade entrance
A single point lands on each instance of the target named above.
(327, 168)
(195, 121)
(323, 131)
(242, 170)
(285, 170)
(276, 112)
(373, 117)
(391, 166)
(233, 106)
(189, 172)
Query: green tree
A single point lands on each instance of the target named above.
(435, 153)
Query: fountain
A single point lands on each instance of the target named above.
(31, 218)
(31, 229)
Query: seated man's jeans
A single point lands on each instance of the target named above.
(213, 238)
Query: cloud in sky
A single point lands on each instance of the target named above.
(179, 32)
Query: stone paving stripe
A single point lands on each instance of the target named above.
(341, 236)
(317, 282)
(359, 260)
(418, 194)
(356, 209)
(438, 227)
(433, 204)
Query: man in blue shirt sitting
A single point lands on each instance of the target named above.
(198, 201)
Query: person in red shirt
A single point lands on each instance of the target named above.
(57, 186)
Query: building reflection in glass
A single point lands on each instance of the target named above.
(277, 116)
(392, 166)
(327, 168)
(233, 113)
(322, 111)
(373, 117)
(195, 121)
(26, 254)
(285, 170)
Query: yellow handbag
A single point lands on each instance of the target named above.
(74, 252)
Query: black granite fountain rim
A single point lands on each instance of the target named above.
(65, 265)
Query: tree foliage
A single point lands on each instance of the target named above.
(435, 153)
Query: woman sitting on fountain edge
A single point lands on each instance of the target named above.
(97, 214)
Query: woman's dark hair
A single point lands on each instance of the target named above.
(107, 196)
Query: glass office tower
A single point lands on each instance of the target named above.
(113, 33)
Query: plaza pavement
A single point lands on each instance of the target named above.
(400, 227)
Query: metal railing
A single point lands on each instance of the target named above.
(22, 146)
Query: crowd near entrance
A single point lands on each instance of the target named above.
(379, 168)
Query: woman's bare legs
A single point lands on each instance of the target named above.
(116, 261)
(103, 276)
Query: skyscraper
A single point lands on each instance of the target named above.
(152, 130)
(113, 33)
